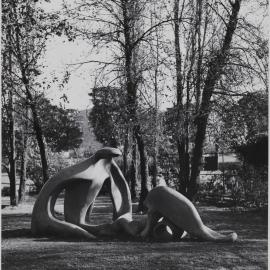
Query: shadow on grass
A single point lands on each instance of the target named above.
(120, 238)
(26, 233)
(17, 233)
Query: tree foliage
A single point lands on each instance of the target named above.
(107, 115)
(243, 120)
(61, 130)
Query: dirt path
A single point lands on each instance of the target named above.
(21, 251)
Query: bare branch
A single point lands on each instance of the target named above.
(93, 61)
(148, 31)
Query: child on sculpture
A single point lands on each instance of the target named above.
(82, 183)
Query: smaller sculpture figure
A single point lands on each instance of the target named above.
(179, 215)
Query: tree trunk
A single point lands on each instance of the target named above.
(131, 96)
(37, 128)
(21, 193)
(129, 18)
(24, 159)
(125, 154)
(143, 168)
(214, 72)
(12, 159)
(199, 61)
(183, 178)
(40, 141)
(178, 60)
(29, 97)
(11, 130)
(156, 135)
(155, 166)
(133, 171)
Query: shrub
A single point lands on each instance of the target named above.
(254, 186)
(5, 191)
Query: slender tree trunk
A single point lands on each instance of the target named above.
(214, 72)
(183, 148)
(21, 193)
(155, 165)
(178, 60)
(131, 93)
(156, 135)
(133, 171)
(125, 154)
(24, 160)
(40, 141)
(199, 61)
(12, 159)
(183, 180)
(143, 169)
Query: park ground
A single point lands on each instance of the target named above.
(20, 250)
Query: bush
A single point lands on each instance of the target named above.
(246, 187)
(56, 162)
(254, 173)
(254, 186)
(211, 191)
(5, 191)
(255, 151)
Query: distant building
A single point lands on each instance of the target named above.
(217, 164)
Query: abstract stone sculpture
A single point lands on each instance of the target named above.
(179, 214)
(82, 183)
(169, 212)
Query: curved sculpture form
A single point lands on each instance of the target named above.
(82, 183)
(165, 231)
(180, 215)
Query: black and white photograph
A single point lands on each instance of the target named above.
(134, 134)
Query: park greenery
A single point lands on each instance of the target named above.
(207, 59)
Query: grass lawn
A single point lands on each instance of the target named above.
(21, 251)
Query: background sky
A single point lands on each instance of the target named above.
(60, 53)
